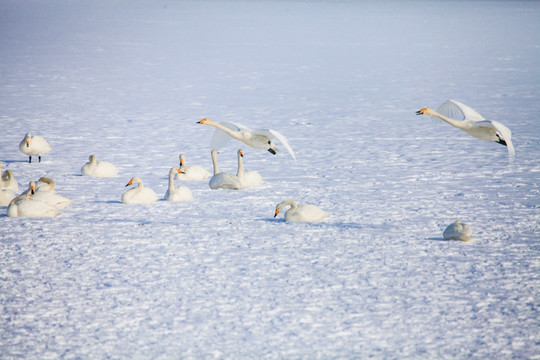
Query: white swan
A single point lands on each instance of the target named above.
(9, 181)
(98, 168)
(458, 231)
(258, 139)
(248, 178)
(301, 212)
(474, 124)
(192, 172)
(223, 180)
(177, 193)
(49, 195)
(140, 194)
(6, 195)
(34, 146)
(24, 205)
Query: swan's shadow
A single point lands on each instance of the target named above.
(436, 239)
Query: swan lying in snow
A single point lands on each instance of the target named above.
(458, 231)
(9, 182)
(223, 180)
(34, 146)
(48, 194)
(97, 168)
(192, 172)
(258, 139)
(248, 178)
(6, 195)
(24, 206)
(301, 212)
(474, 124)
(140, 194)
(177, 193)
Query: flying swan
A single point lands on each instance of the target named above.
(140, 194)
(474, 124)
(223, 180)
(177, 193)
(301, 212)
(98, 168)
(258, 139)
(34, 146)
(248, 178)
(192, 172)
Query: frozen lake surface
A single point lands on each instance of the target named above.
(220, 277)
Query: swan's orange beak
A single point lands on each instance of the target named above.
(32, 190)
(181, 162)
(27, 143)
(202, 121)
(130, 182)
(241, 153)
(180, 171)
(421, 111)
(277, 212)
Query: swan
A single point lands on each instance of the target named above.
(458, 231)
(472, 123)
(301, 212)
(248, 178)
(6, 195)
(49, 195)
(192, 172)
(9, 182)
(177, 193)
(98, 168)
(34, 146)
(258, 139)
(140, 194)
(24, 205)
(223, 180)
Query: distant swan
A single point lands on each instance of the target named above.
(34, 146)
(9, 182)
(140, 194)
(192, 172)
(301, 212)
(223, 180)
(458, 231)
(258, 139)
(24, 206)
(98, 168)
(49, 195)
(177, 193)
(474, 124)
(248, 178)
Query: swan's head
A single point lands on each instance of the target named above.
(48, 181)
(240, 153)
(134, 180)
(204, 121)
(32, 187)
(424, 111)
(175, 170)
(92, 158)
(276, 212)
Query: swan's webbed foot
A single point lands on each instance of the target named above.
(272, 151)
(500, 141)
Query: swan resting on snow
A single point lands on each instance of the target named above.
(458, 231)
(6, 195)
(140, 194)
(48, 194)
(98, 168)
(192, 172)
(222, 180)
(258, 139)
(34, 146)
(248, 178)
(24, 205)
(177, 193)
(301, 212)
(9, 181)
(474, 124)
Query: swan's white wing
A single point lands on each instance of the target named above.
(220, 138)
(506, 135)
(458, 111)
(283, 140)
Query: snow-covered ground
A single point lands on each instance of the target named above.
(219, 277)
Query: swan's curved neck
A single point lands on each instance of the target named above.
(214, 162)
(231, 133)
(171, 179)
(240, 172)
(292, 203)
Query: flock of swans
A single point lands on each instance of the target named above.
(42, 201)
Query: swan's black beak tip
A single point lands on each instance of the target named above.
(272, 151)
(419, 112)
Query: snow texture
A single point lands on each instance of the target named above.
(219, 277)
